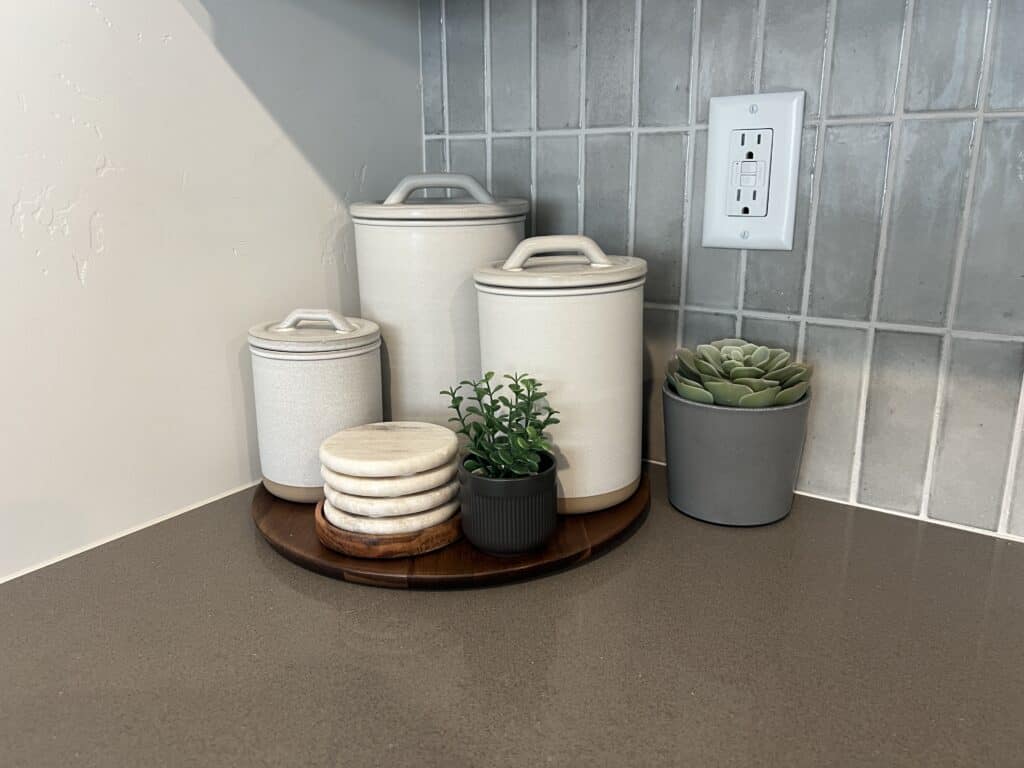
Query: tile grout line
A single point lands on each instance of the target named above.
(817, 172)
(885, 215)
(946, 353)
(684, 256)
(633, 138)
(533, 118)
(423, 101)
(444, 87)
(488, 106)
(1009, 484)
(581, 143)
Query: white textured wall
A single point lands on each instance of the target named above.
(171, 173)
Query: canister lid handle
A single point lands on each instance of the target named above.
(462, 181)
(535, 246)
(340, 322)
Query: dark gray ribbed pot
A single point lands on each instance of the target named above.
(506, 517)
(732, 466)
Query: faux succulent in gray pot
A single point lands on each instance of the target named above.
(735, 419)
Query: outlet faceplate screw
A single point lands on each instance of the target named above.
(753, 109)
(745, 234)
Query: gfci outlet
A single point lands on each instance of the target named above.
(753, 159)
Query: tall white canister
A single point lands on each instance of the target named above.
(416, 259)
(576, 323)
(313, 373)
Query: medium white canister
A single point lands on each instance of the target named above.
(314, 373)
(416, 260)
(576, 323)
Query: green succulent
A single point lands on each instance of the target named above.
(737, 373)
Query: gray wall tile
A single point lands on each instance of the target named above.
(1006, 90)
(865, 57)
(771, 333)
(431, 63)
(610, 34)
(660, 183)
(469, 156)
(837, 354)
(557, 185)
(659, 346)
(775, 279)
(794, 44)
(510, 64)
(928, 199)
(465, 46)
(666, 37)
(712, 274)
(510, 169)
(433, 162)
(846, 240)
(898, 424)
(992, 291)
(702, 327)
(559, 26)
(727, 30)
(606, 193)
(974, 441)
(945, 54)
(1017, 502)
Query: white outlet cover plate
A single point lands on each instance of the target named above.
(782, 113)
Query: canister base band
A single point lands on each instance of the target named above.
(579, 505)
(295, 493)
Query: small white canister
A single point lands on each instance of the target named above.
(314, 373)
(575, 322)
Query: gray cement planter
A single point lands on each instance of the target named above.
(732, 466)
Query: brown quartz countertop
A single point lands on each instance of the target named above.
(838, 637)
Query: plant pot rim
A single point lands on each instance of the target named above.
(801, 403)
(544, 470)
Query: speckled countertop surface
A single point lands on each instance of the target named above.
(836, 637)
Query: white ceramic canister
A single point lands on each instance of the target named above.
(575, 322)
(314, 373)
(416, 260)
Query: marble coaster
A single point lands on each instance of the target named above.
(397, 507)
(388, 449)
(390, 487)
(387, 525)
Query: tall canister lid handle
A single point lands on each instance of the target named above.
(535, 246)
(462, 181)
(339, 321)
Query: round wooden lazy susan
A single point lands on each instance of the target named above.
(291, 530)
(385, 545)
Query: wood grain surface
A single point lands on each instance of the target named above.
(386, 545)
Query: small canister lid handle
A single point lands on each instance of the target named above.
(340, 322)
(535, 246)
(462, 181)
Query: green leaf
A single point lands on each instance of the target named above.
(804, 375)
(697, 394)
(706, 368)
(757, 384)
(762, 399)
(710, 354)
(728, 365)
(727, 392)
(781, 374)
(779, 359)
(760, 356)
(471, 464)
(728, 343)
(687, 361)
(792, 394)
(745, 372)
(705, 379)
(748, 348)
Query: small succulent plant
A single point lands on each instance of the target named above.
(737, 373)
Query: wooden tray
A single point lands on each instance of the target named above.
(383, 545)
(290, 529)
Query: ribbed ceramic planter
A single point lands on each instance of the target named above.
(732, 466)
(509, 516)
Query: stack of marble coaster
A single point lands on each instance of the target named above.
(391, 489)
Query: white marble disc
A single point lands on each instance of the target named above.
(368, 506)
(386, 525)
(389, 448)
(390, 487)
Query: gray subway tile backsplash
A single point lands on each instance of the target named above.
(992, 291)
(610, 33)
(928, 197)
(434, 161)
(559, 31)
(464, 38)
(511, 24)
(660, 182)
(666, 38)
(973, 449)
(898, 423)
(866, 57)
(846, 238)
(945, 54)
(915, 124)
(606, 193)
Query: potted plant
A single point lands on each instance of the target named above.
(735, 418)
(508, 494)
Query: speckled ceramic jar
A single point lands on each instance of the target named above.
(314, 373)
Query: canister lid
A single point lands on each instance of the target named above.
(591, 267)
(314, 330)
(480, 204)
